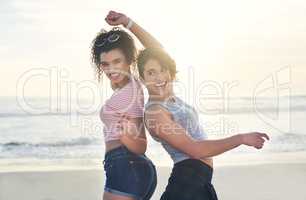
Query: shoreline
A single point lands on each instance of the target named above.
(264, 182)
(225, 160)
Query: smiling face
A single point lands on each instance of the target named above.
(113, 64)
(157, 80)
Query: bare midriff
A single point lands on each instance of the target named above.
(112, 144)
(208, 161)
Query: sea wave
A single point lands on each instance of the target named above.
(81, 141)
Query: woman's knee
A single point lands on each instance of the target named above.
(110, 196)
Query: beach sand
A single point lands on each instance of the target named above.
(255, 182)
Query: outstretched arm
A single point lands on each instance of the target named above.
(147, 40)
(160, 123)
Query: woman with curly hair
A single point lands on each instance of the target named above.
(130, 175)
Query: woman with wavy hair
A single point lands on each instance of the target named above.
(130, 175)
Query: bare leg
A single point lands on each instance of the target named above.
(110, 196)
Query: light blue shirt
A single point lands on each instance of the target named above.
(187, 117)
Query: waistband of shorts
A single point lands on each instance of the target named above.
(118, 151)
(123, 151)
(199, 167)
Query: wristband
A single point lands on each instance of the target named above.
(130, 24)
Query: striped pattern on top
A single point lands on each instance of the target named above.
(127, 100)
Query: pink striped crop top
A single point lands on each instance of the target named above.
(129, 100)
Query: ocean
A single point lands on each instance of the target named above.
(42, 130)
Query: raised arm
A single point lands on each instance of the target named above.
(147, 40)
(159, 122)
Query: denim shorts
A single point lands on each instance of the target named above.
(129, 174)
(190, 180)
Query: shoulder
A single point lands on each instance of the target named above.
(155, 117)
(156, 111)
(133, 88)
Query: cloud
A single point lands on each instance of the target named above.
(58, 33)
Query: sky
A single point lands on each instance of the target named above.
(242, 45)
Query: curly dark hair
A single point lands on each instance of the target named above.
(160, 56)
(125, 43)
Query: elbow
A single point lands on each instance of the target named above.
(137, 147)
(155, 46)
(160, 46)
(140, 150)
(140, 147)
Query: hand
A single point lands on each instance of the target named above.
(114, 19)
(254, 139)
(125, 126)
